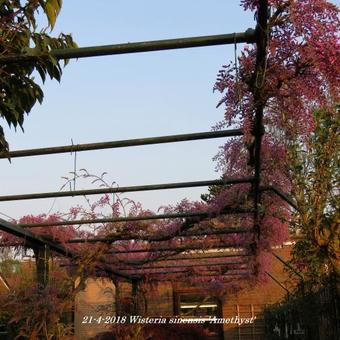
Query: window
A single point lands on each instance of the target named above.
(191, 305)
(198, 306)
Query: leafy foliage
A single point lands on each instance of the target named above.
(19, 91)
(49, 306)
(314, 313)
(315, 176)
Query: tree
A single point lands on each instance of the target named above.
(315, 176)
(19, 92)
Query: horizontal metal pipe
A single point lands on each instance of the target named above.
(180, 265)
(136, 47)
(176, 258)
(230, 277)
(135, 188)
(203, 274)
(122, 143)
(183, 265)
(202, 256)
(198, 214)
(159, 238)
(179, 249)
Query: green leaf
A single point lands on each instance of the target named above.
(42, 72)
(52, 9)
(50, 13)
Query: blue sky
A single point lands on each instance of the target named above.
(129, 96)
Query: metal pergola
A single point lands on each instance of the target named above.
(173, 257)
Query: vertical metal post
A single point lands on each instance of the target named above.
(135, 304)
(118, 308)
(42, 256)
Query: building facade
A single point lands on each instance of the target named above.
(235, 316)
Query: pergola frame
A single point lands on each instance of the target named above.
(258, 36)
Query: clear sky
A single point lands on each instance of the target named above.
(128, 96)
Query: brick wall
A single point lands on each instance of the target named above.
(247, 303)
(160, 300)
(97, 299)
(251, 302)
